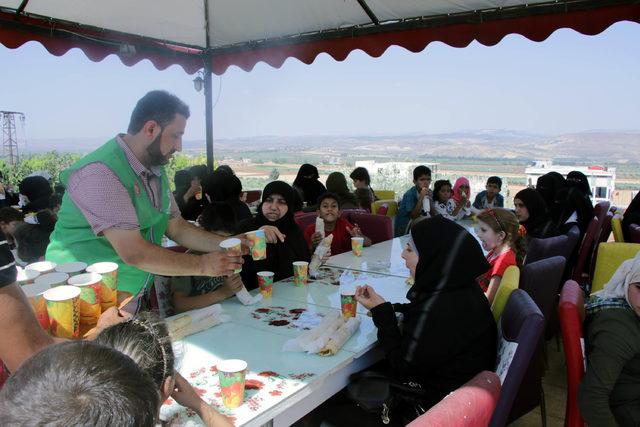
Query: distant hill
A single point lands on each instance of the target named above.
(614, 146)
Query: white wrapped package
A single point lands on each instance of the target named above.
(246, 298)
(303, 340)
(320, 226)
(321, 250)
(317, 344)
(191, 322)
(340, 337)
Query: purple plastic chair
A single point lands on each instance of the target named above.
(601, 209)
(573, 237)
(546, 248)
(305, 219)
(542, 280)
(581, 272)
(522, 323)
(634, 233)
(376, 227)
(605, 228)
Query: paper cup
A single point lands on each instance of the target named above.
(51, 280)
(42, 267)
(231, 374)
(109, 288)
(265, 281)
(259, 244)
(357, 243)
(72, 268)
(300, 273)
(34, 293)
(63, 311)
(348, 304)
(232, 244)
(26, 277)
(90, 285)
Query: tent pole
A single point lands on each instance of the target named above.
(208, 106)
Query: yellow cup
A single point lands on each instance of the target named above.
(63, 311)
(357, 243)
(232, 244)
(72, 268)
(34, 293)
(90, 285)
(109, 288)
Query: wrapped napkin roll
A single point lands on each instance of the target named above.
(321, 250)
(194, 321)
(340, 337)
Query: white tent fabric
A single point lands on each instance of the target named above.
(239, 22)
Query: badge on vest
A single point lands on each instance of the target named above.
(136, 189)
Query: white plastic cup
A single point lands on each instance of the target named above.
(232, 244)
(72, 268)
(51, 280)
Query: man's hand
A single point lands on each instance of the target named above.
(231, 286)
(368, 297)
(272, 234)
(219, 263)
(111, 316)
(316, 238)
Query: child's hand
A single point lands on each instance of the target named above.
(424, 191)
(232, 285)
(368, 297)
(316, 238)
(355, 231)
(185, 395)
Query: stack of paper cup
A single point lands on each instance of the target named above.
(34, 293)
(90, 285)
(109, 288)
(63, 311)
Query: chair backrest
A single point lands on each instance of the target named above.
(471, 405)
(519, 332)
(571, 314)
(573, 237)
(583, 265)
(616, 227)
(608, 259)
(252, 196)
(392, 207)
(376, 227)
(605, 228)
(510, 281)
(546, 248)
(305, 219)
(601, 209)
(542, 280)
(385, 194)
(381, 210)
(634, 233)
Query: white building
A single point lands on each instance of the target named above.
(601, 179)
(400, 168)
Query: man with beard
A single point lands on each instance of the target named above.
(118, 205)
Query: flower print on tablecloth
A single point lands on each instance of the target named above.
(294, 318)
(263, 390)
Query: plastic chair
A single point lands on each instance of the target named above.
(608, 259)
(305, 219)
(509, 283)
(385, 194)
(471, 405)
(616, 227)
(252, 196)
(546, 248)
(392, 207)
(573, 237)
(634, 233)
(376, 227)
(601, 209)
(382, 210)
(581, 272)
(571, 314)
(542, 280)
(605, 227)
(521, 323)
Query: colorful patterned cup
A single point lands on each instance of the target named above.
(357, 243)
(109, 288)
(265, 281)
(51, 280)
(232, 244)
(72, 268)
(26, 277)
(258, 244)
(63, 311)
(90, 285)
(231, 374)
(35, 295)
(42, 267)
(300, 273)
(348, 304)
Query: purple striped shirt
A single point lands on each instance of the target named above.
(103, 199)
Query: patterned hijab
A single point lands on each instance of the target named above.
(616, 293)
(457, 196)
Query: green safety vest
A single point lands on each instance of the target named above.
(74, 240)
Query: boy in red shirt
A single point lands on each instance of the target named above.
(342, 230)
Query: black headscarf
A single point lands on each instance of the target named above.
(548, 186)
(539, 223)
(307, 184)
(281, 255)
(579, 180)
(631, 216)
(38, 190)
(222, 186)
(337, 184)
(575, 198)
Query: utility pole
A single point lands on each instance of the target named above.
(9, 136)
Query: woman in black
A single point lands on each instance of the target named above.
(307, 184)
(548, 185)
(575, 204)
(37, 190)
(532, 214)
(275, 212)
(449, 334)
(222, 186)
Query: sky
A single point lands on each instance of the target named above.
(568, 83)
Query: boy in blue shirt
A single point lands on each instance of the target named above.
(491, 197)
(416, 202)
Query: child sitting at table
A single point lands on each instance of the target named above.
(443, 202)
(145, 339)
(191, 292)
(334, 224)
(79, 383)
(32, 236)
(416, 201)
(498, 232)
(490, 197)
(462, 196)
(363, 199)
